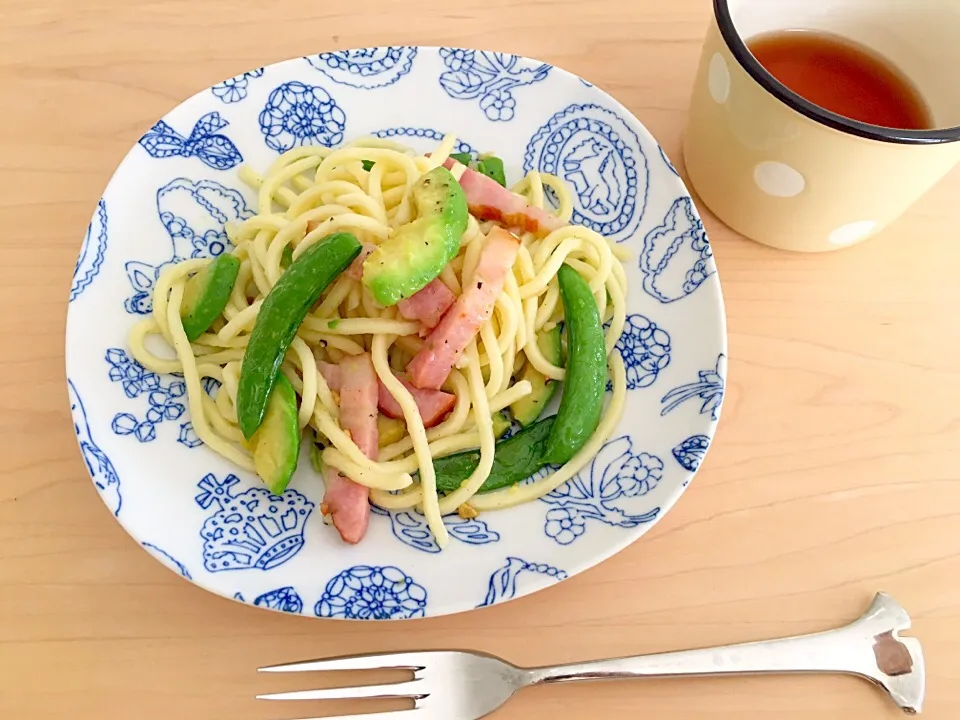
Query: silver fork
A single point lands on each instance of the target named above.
(457, 685)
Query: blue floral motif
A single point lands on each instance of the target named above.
(594, 150)
(365, 592)
(411, 529)
(676, 256)
(206, 143)
(426, 133)
(491, 77)
(101, 470)
(165, 399)
(91, 252)
(366, 68)
(639, 475)
(690, 452)
(253, 529)
(616, 476)
(503, 582)
(194, 215)
(565, 525)
(188, 436)
(284, 599)
(168, 560)
(709, 388)
(300, 114)
(669, 164)
(645, 349)
(233, 90)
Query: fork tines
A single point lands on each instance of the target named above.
(380, 661)
(406, 689)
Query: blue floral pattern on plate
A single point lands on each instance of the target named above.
(234, 538)
(206, 143)
(252, 529)
(423, 133)
(411, 529)
(616, 474)
(193, 215)
(104, 475)
(708, 388)
(645, 349)
(284, 599)
(91, 252)
(165, 399)
(491, 77)
(365, 68)
(594, 150)
(301, 114)
(676, 257)
(367, 592)
(502, 585)
(691, 452)
(233, 90)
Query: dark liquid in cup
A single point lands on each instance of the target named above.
(842, 76)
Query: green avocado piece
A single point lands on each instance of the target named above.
(286, 258)
(501, 423)
(527, 409)
(419, 250)
(462, 158)
(206, 294)
(276, 444)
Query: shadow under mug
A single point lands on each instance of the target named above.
(787, 173)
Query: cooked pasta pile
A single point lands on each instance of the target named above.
(335, 190)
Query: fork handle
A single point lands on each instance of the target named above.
(868, 647)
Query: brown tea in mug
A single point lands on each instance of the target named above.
(842, 76)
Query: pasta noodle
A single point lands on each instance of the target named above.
(311, 192)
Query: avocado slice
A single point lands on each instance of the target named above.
(419, 250)
(501, 423)
(276, 444)
(527, 409)
(286, 258)
(389, 430)
(206, 294)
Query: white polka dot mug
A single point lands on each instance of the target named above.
(787, 173)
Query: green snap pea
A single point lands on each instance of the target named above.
(586, 376)
(280, 316)
(462, 158)
(492, 167)
(516, 459)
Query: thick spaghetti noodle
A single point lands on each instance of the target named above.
(311, 192)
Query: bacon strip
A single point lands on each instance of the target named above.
(433, 405)
(429, 304)
(431, 366)
(346, 501)
(489, 200)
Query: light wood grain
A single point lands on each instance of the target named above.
(834, 473)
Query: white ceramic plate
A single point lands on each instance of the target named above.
(216, 525)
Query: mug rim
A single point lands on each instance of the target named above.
(738, 47)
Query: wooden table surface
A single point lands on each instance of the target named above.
(834, 473)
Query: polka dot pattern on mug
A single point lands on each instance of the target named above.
(778, 179)
(852, 232)
(718, 79)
